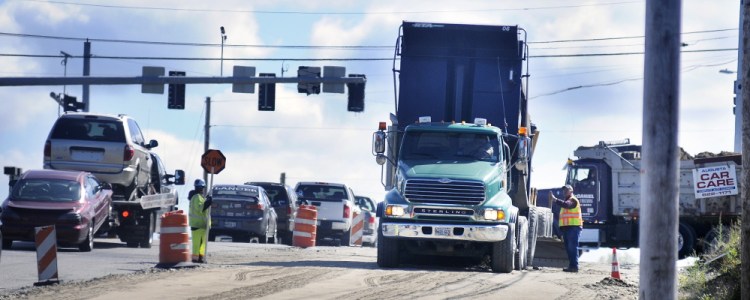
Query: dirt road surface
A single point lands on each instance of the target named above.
(256, 271)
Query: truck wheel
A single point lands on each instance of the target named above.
(533, 234)
(88, 243)
(503, 252)
(346, 238)
(7, 244)
(715, 238)
(149, 239)
(388, 256)
(523, 243)
(685, 241)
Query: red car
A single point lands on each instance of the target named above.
(75, 202)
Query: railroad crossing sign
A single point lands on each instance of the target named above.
(213, 161)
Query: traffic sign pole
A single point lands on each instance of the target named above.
(208, 228)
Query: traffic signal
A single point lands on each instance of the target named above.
(308, 88)
(176, 97)
(267, 94)
(70, 104)
(356, 95)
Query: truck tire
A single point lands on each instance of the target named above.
(522, 229)
(388, 255)
(685, 241)
(346, 238)
(149, 239)
(503, 252)
(88, 244)
(715, 238)
(534, 218)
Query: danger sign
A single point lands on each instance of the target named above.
(715, 181)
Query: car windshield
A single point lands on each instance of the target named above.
(365, 204)
(47, 190)
(321, 192)
(434, 145)
(277, 194)
(88, 130)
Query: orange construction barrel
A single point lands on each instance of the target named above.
(174, 245)
(305, 226)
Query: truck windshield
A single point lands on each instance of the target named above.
(581, 175)
(464, 146)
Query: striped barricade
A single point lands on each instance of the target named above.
(46, 254)
(358, 225)
(174, 244)
(305, 226)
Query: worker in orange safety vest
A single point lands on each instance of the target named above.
(571, 225)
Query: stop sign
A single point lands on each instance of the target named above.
(213, 161)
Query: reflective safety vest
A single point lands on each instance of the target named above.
(199, 218)
(571, 216)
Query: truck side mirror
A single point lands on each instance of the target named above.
(378, 142)
(179, 177)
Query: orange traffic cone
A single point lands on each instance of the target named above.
(615, 265)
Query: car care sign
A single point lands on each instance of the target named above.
(715, 181)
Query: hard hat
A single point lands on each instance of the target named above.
(199, 183)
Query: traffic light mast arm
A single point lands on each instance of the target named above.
(88, 80)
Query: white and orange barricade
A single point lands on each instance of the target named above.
(358, 226)
(174, 240)
(46, 254)
(305, 226)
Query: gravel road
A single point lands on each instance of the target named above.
(244, 271)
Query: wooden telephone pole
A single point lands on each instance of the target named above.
(745, 193)
(660, 169)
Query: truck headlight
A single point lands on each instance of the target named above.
(494, 214)
(394, 210)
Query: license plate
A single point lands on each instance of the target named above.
(230, 224)
(442, 231)
(87, 155)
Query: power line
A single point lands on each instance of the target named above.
(331, 59)
(333, 47)
(278, 12)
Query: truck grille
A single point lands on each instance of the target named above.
(432, 191)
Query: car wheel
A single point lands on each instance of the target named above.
(7, 244)
(346, 238)
(150, 234)
(88, 244)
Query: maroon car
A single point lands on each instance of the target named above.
(75, 202)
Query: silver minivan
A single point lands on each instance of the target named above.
(112, 147)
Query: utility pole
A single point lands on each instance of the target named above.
(86, 72)
(738, 105)
(207, 132)
(660, 169)
(745, 193)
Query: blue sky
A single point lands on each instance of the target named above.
(314, 138)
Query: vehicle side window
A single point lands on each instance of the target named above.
(91, 186)
(135, 132)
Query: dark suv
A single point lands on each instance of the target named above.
(111, 147)
(284, 202)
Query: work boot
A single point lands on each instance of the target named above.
(571, 270)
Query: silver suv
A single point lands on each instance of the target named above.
(111, 147)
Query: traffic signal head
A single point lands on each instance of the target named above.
(267, 94)
(356, 96)
(176, 96)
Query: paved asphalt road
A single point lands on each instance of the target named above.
(110, 256)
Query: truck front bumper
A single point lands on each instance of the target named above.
(473, 233)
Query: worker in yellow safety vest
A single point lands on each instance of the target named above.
(571, 225)
(200, 221)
